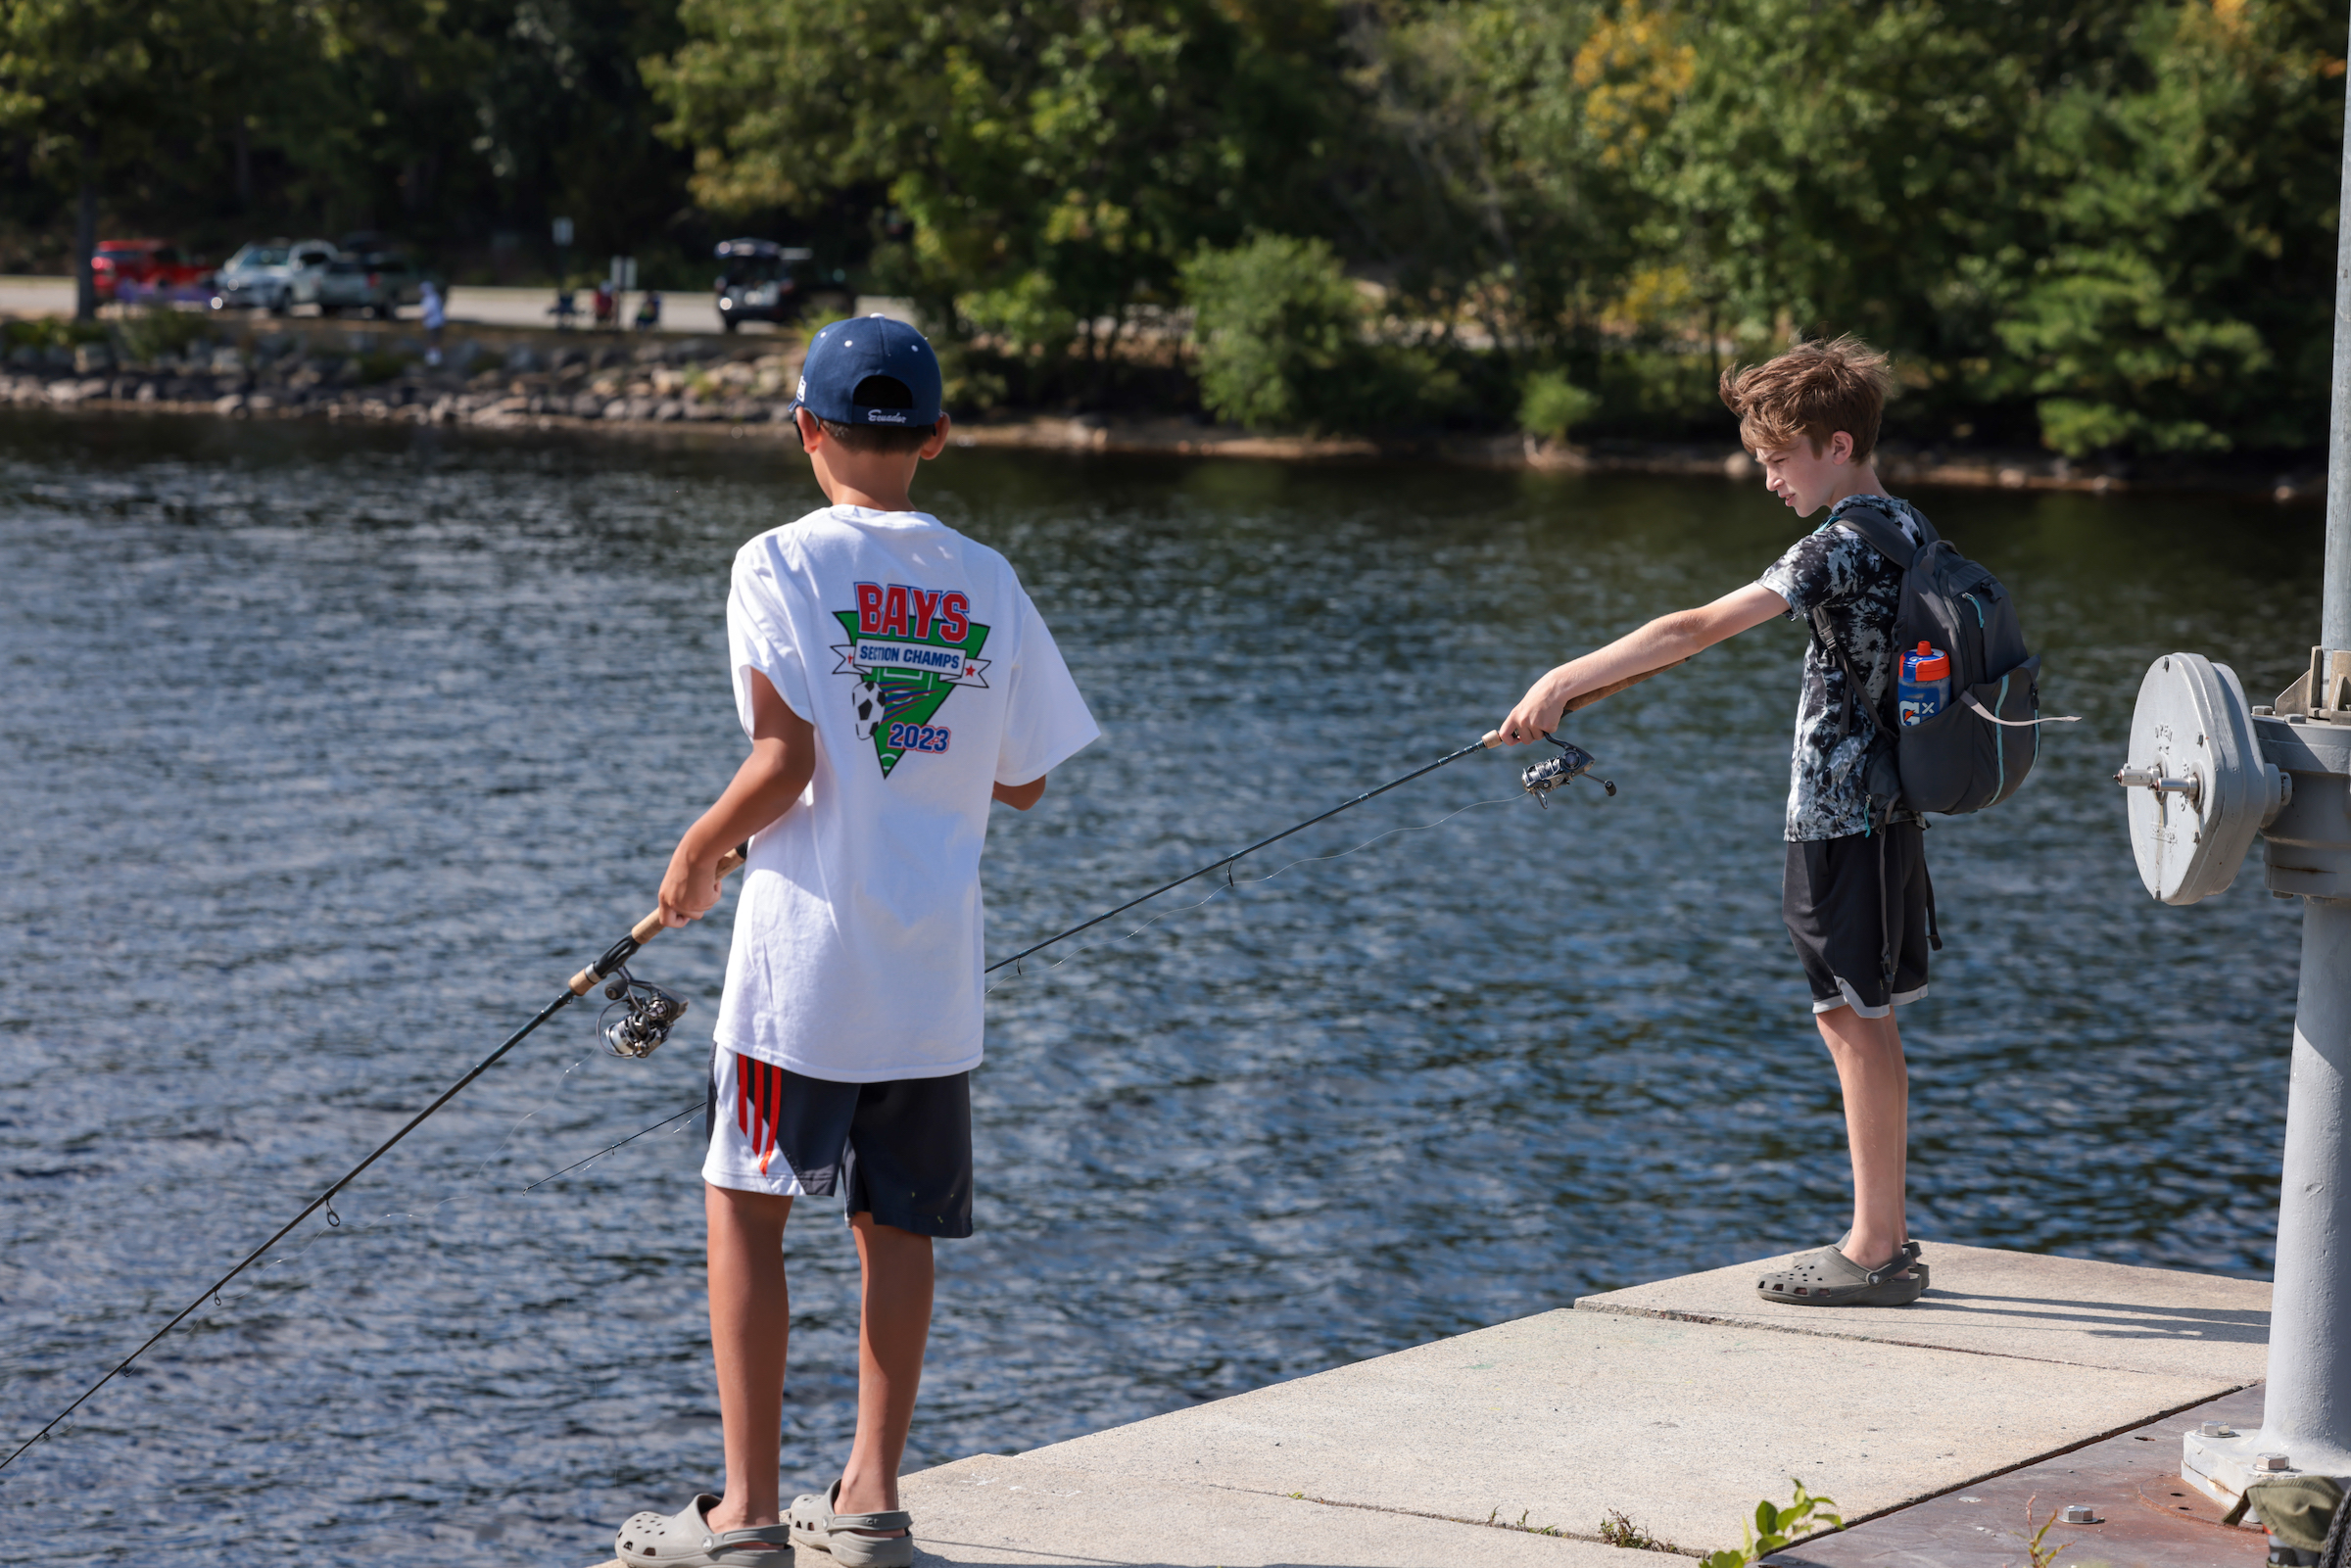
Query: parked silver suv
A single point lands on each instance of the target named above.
(377, 284)
(265, 275)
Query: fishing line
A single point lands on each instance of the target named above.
(1091, 947)
(336, 1222)
(609, 1147)
(1539, 780)
(647, 1022)
(648, 1012)
(1255, 881)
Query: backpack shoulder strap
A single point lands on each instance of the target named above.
(1878, 530)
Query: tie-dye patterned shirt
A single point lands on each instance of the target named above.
(1858, 592)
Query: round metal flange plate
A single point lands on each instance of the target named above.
(2192, 724)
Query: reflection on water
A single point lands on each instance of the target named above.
(330, 753)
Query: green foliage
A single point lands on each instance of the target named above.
(2104, 225)
(375, 367)
(1039, 170)
(2121, 211)
(1285, 344)
(1616, 1529)
(156, 331)
(1277, 323)
(2039, 1553)
(1552, 404)
(2181, 300)
(1773, 1528)
(50, 332)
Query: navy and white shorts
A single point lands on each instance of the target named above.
(900, 1150)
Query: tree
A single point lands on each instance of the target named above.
(1484, 192)
(1049, 166)
(2183, 296)
(107, 92)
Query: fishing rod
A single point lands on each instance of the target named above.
(1540, 781)
(646, 1015)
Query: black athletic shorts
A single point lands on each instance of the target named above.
(900, 1150)
(1856, 907)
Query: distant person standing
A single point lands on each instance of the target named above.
(436, 317)
(606, 305)
(648, 311)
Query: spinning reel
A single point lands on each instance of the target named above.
(646, 1011)
(1572, 762)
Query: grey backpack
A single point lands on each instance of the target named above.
(1976, 752)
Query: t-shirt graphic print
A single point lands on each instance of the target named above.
(1835, 573)
(927, 676)
(910, 649)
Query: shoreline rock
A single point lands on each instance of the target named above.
(615, 391)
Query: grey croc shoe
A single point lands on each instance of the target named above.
(685, 1540)
(815, 1524)
(1828, 1278)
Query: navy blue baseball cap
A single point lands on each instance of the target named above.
(870, 370)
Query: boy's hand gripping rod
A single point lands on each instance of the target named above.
(619, 953)
(1555, 772)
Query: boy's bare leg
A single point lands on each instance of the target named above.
(894, 1325)
(1870, 1070)
(750, 1320)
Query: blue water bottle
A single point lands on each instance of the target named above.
(1925, 687)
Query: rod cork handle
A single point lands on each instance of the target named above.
(1584, 699)
(646, 930)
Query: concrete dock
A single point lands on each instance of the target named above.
(1677, 1405)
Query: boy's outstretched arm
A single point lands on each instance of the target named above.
(1667, 639)
(782, 759)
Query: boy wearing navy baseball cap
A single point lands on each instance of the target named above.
(894, 677)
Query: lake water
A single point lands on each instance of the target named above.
(330, 753)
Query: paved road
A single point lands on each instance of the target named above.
(480, 307)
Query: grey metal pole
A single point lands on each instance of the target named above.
(2306, 1414)
(2335, 613)
(2307, 1405)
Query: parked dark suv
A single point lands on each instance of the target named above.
(759, 280)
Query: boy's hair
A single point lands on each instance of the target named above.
(878, 392)
(1814, 389)
(877, 437)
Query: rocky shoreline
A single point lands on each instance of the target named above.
(288, 377)
(620, 386)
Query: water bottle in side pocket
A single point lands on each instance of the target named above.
(1925, 687)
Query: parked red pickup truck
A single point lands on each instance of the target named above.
(141, 269)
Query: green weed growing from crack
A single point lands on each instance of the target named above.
(1774, 1527)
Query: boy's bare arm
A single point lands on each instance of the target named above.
(1020, 797)
(782, 758)
(1667, 639)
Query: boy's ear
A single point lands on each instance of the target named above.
(939, 439)
(1840, 446)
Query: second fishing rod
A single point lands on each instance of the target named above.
(640, 1015)
(637, 1019)
(1539, 780)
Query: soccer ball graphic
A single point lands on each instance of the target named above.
(866, 699)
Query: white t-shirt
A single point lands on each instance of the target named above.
(929, 677)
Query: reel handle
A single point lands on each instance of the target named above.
(1584, 699)
(646, 930)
